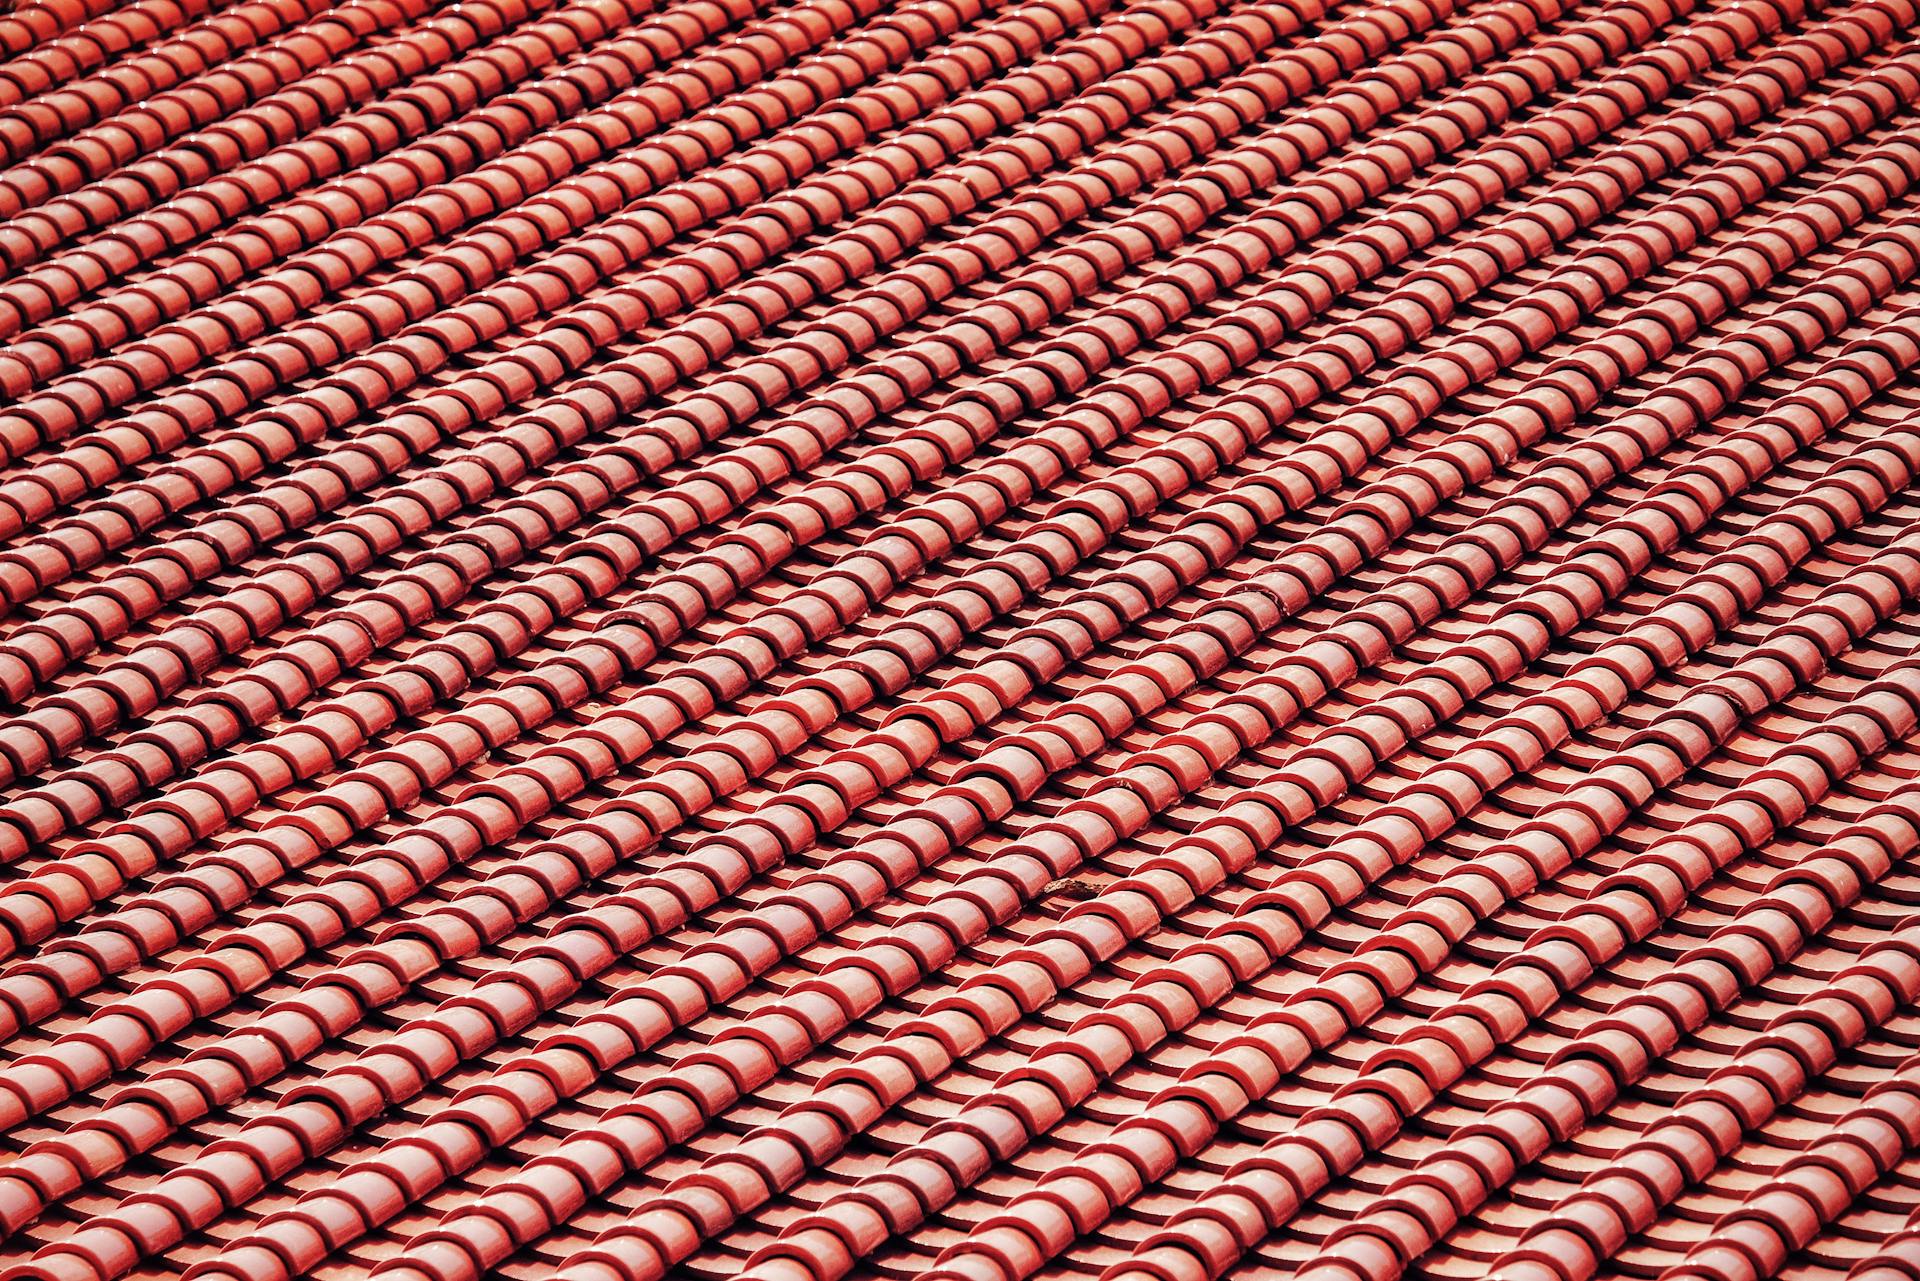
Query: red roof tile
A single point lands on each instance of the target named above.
(1155, 640)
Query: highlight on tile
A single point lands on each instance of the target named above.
(960, 640)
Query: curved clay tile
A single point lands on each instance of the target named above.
(798, 639)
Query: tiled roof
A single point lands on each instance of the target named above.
(1141, 640)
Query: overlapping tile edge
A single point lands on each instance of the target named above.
(1157, 641)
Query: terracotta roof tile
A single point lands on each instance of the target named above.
(1156, 640)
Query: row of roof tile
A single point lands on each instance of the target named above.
(1166, 638)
